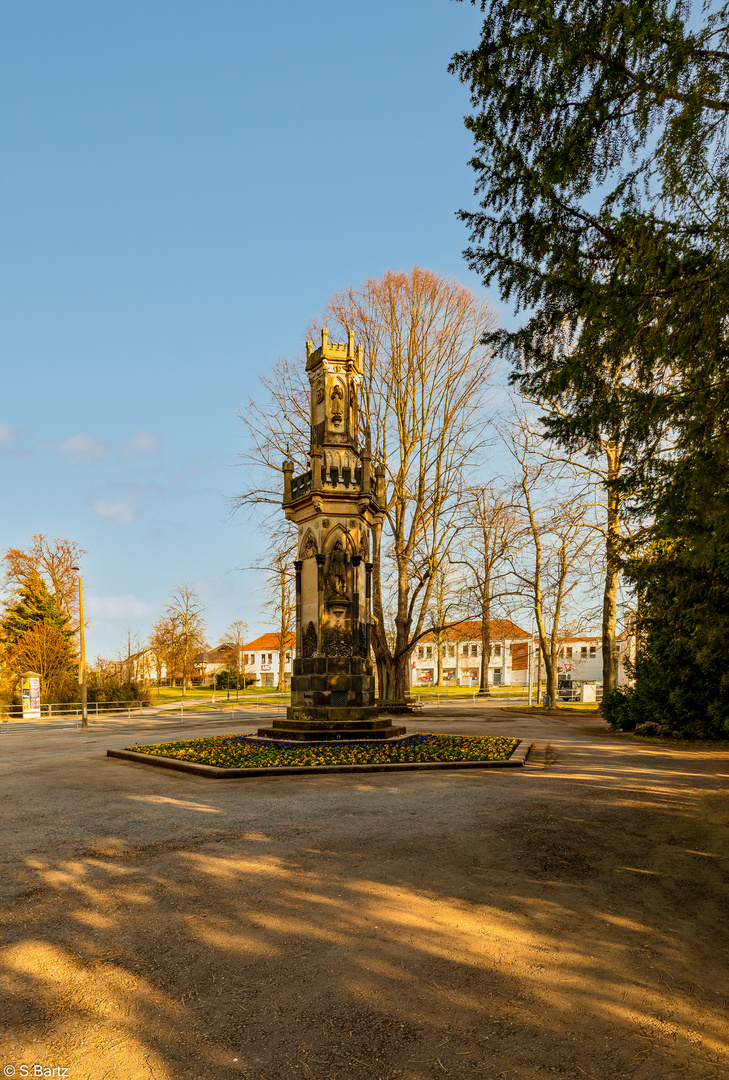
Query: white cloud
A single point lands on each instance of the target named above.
(7, 432)
(143, 444)
(82, 449)
(118, 608)
(119, 510)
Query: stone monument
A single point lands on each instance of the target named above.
(334, 503)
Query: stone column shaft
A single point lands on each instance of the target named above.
(320, 597)
(299, 643)
(368, 606)
(356, 560)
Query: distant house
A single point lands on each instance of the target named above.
(137, 667)
(210, 663)
(461, 655)
(261, 657)
(580, 657)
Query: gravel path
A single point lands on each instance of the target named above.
(567, 918)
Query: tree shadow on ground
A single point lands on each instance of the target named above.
(570, 919)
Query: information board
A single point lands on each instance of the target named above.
(31, 699)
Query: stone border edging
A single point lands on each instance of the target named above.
(214, 772)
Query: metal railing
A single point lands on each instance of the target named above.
(68, 713)
(506, 693)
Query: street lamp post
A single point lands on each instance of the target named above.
(82, 642)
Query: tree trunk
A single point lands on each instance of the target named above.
(612, 578)
(546, 654)
(550, 665)
(283, 628)
(485, 638)
(393, 678)
(392, 665)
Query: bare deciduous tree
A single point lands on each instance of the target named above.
(488, 538)
(596, 437)
(446, 608)
(163, 646)
(186, 628)
(128, 657)
(558, 543)
(280, 605)
(236, 635)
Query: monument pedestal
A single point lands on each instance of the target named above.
(331, 702)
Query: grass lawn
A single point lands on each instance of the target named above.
(242, 752)
(467, 692)
(166, 695)
(588, 708)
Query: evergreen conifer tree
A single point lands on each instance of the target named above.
(603, 168)
(35, 636)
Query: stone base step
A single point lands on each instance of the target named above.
(341, 733)
(325, 723)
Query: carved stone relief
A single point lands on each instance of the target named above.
(309, 642)
(337, 642)
(310, 548)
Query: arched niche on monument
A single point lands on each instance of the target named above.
(341, 533)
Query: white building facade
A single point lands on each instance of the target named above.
(512, 649)
(461, 656)
(261, 660)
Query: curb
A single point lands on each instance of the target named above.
(213, 772)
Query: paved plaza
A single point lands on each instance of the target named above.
(568, 918)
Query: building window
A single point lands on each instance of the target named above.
(497, 650)
(451, 650)
(583, 652)
(568, 652)
(464, 650)
(474, 650)
(593, 650)
(288, 656)
(270, 658)
(421, 653)
(429, 652)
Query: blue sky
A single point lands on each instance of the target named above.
(184, 185)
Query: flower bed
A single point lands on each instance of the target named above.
(243, 752)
